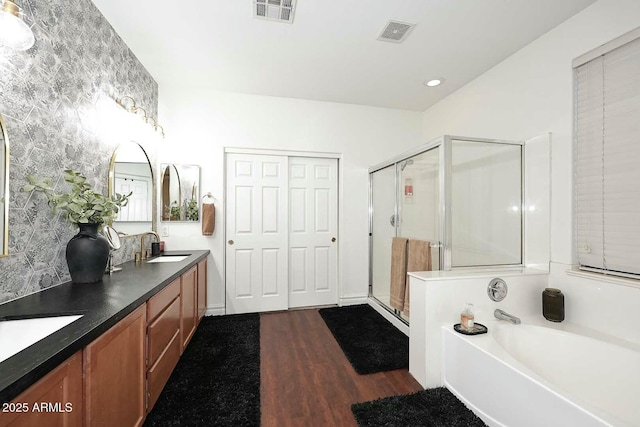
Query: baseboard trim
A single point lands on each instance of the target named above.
(215, 311)
(354, 300)
(402, 327)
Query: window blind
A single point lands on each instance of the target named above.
(607, 161)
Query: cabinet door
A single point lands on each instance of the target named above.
(202, 288)
(55, 400)
(114, 369)
(189, 314)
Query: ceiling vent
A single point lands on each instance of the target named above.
(396, 31)
(274, 10)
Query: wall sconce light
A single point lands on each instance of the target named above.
(14, 32)
(129, 104)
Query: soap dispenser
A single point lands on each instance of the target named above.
(467, 317)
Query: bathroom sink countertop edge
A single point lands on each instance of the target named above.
(102, 305)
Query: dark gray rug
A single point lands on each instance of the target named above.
(369, 341)
(217, 380)
(434, 407)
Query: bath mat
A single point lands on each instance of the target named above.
(368, 340)
(217, 380)
(434, 407)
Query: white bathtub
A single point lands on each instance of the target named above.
(535, 375)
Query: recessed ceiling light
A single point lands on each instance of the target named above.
(434, 82)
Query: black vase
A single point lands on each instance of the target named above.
(87, 255)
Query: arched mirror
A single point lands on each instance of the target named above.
(4, 190)
(171, 195)
(130, 172)
(180, 192)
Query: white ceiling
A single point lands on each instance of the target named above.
(330, 52)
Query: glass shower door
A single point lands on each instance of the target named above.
(419, 203)
(405, 202)
(383, 230)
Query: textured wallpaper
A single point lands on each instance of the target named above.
(50, 98)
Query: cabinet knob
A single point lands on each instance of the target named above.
(333, 239)
(231, 242)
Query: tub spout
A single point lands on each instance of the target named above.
(501, 315)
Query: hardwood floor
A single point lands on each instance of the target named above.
(305, 378)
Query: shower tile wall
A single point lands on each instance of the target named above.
(48, 98)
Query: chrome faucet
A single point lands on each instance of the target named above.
(501, 315)
(142, 247)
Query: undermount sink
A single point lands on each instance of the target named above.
(168, 258)
(16, 335)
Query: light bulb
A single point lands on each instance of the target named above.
(14, 32)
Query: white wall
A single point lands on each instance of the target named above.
(200, 123)
(531, 93)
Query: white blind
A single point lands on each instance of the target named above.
(607, 161)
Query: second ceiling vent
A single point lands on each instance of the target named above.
(396, 31)
(274, 10)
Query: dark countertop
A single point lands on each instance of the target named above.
(102, 305)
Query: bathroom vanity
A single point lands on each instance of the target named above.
(109, 366)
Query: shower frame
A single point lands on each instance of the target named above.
(444, 243)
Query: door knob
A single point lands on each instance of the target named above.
(231, 242)
(333, 239)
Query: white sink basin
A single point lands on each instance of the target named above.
(169, 258)
(16, 335)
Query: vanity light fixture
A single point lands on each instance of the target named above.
(14, 32)
(129, 104)
(434, 82)
(156, 126)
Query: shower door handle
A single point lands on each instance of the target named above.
(392, 220)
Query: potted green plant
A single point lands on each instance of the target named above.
(87, 252)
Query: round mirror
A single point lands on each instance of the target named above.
(112, 236)
(4, 190)
(130, 172)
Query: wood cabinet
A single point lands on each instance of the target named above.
(189, 315)
(163, 337)
(117, 379)
(114, 369)
(54, 401)
(202, 288)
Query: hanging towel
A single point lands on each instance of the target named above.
(398, 271)
(208, 218)
(418, 259)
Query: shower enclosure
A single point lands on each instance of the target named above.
(462, 195)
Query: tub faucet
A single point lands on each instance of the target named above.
(501, 315)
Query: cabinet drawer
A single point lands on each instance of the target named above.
(162, 329)
(159, 301)
(161, 371)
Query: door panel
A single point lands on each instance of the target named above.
(313, 256)
(383, 203)
(256, 248)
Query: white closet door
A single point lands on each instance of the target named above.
(313, 228)
(256, 248)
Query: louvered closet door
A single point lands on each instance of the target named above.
(256, 233)
(313, 228)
